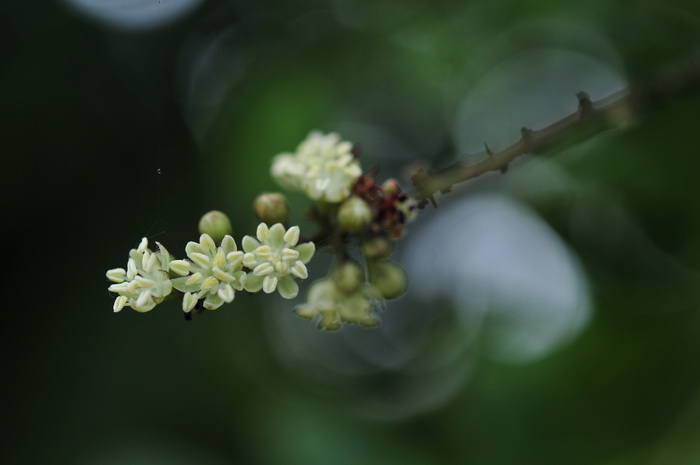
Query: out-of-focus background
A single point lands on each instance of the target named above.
(553, 315)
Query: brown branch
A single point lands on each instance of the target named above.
(595, 116)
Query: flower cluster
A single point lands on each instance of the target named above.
(323, 167)
(352, 210)
(211, 274)
(217, 273)
(276, 260)
(347, 297)
(146, 280)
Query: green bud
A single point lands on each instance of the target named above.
(354, 214)
(216, 224)
(305, 311)
(391, 187)
(347, 276)
(377, 247)
(272, 208)
(388, 277)
(329, 321)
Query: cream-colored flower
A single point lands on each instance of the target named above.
(323, 167)
(146, 280)
(333, 306)
(276, 260)
(216, 273)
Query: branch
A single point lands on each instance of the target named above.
(595, 116)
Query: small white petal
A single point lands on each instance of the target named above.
(210, 282)
(116, 275)
(131, 270)
(263, 269)
(291, 237)
(234, 258)
(143, 245)
(194, 279)
(144, 259)
(264, 251)
(151, 264)
(300, 271)
(181, 267)
(200, 259)
(281, 268)
(221, 275)
(164, 252)
(263, 232)
(219, 259)
(289, 254)
(269, 284)
(249, 260)
(207, 242)
(143, 299)
(226, 293)
(144, 282)
(189, 301)
(119, 303)
(119, 288)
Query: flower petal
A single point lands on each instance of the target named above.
(182, 285)
(299, 270)
(263, 233)
(287, 287)
(193, 247)
(207, 242)
(269, 284)
(253, 283)
(117, 275)
(277, 233)
(291, 237)
(226, 293)
(228, 244)
(213, 301)
(181, 267)
(189, 301)
(306, 251)
(249, 244)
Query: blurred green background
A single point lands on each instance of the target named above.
(554, 312)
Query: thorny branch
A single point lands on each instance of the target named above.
(595, 116)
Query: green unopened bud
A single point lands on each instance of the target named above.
(347, 277)
(354, 214)
(272, 208)
(391, 187)
(389, 278)
(377, 247)
(329, 321)
(216, 224)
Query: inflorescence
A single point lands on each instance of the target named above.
(358, 219)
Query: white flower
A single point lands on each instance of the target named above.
(276, 259)
(146, 281)
(323, 167)
(216, 273)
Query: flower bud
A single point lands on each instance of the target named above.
(391, 187)
(354, 214)
(272, 208)
(329, 321)
(347, 276)
(389, 278)
(377, 247)
(216, 224)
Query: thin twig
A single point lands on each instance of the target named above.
(595, 116)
